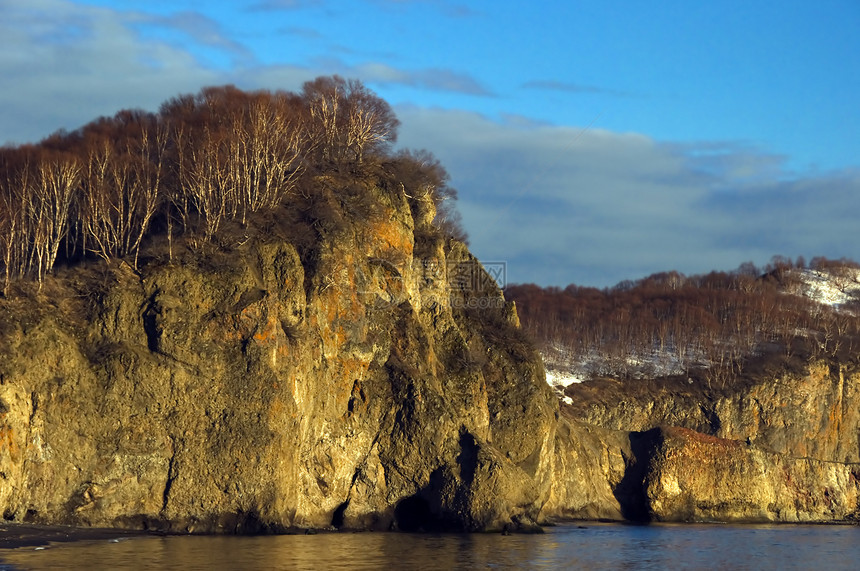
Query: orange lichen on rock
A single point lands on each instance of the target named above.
(268, 331)
(7, 443)
(392, 236)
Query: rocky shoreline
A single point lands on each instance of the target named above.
(18, 535)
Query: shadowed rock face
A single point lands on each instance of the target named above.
(254, 387)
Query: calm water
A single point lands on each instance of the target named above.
(568, 546)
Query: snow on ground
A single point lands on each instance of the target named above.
(563, 370)
(558, 380)
(562, 379)
(830, 289)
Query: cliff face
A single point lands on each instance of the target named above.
(254, 386)
(780, 447)
(373, 378)
(813, 412)
(692, 476)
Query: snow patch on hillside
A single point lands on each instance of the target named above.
(835, 287)
(562, 379)
(831, 288)
(558, 380)
(563, 370)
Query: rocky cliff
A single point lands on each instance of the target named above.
(260, 385)
(373, 377)
(808, 411)
(779, 445)
(285, 333)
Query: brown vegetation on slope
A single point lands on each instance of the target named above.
(204, 162)
(713, 322)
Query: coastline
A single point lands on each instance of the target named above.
(16, 535)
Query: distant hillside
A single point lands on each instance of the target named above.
(737, 391)
(669, 324)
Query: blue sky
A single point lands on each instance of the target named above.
(590, 141)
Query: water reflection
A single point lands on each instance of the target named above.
(568, 546)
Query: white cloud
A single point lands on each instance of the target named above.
(380, 73)
(65, 64)
(202, 29)
(566, 205)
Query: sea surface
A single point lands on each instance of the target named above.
(569, 546)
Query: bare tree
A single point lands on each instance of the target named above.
(38, 190)
(371, 125)
(15, 183)
(57, 179)
(121, 184)
(347, 120)
(266, 152)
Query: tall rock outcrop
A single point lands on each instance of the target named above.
(355, 382)
(779, 445)
(810, 411)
